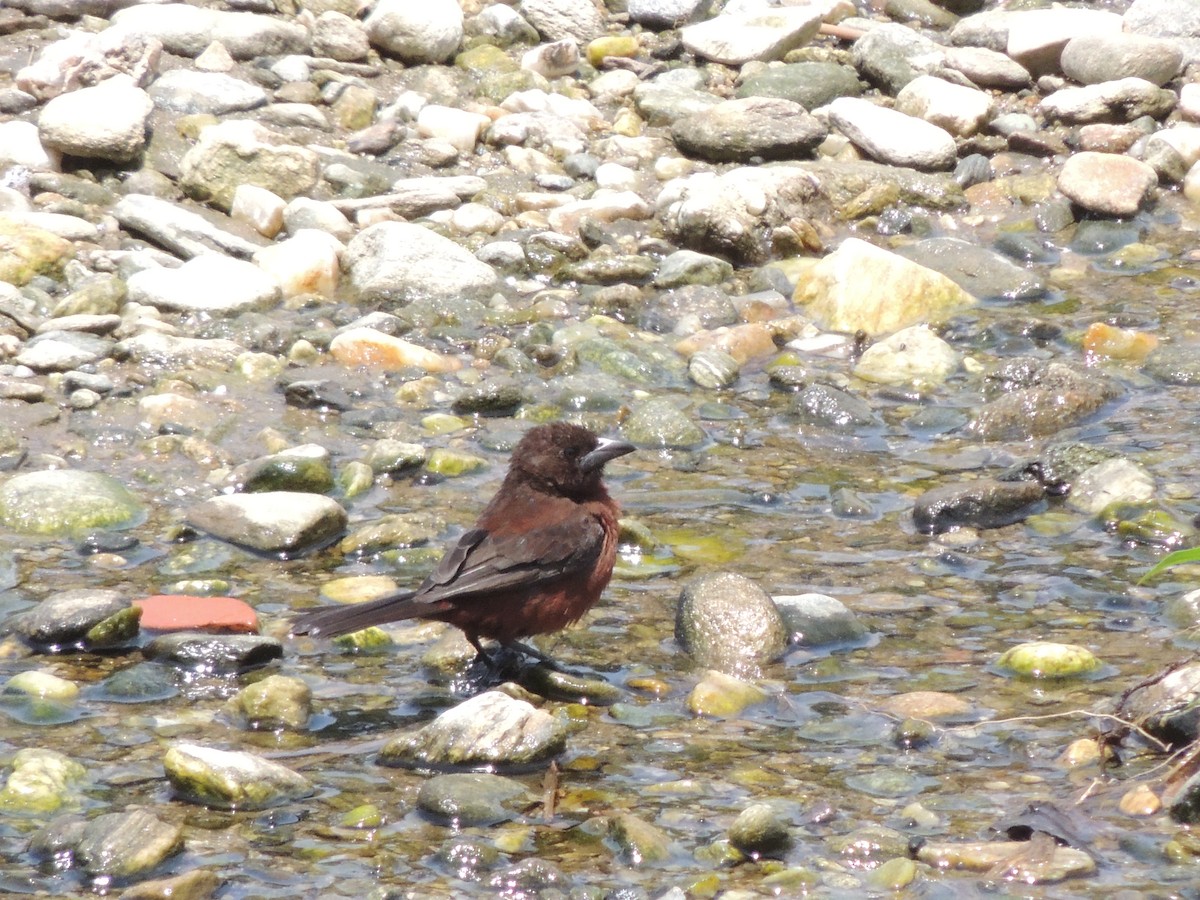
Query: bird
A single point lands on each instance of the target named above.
(537, 559)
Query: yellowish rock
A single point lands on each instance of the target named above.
(376, 350)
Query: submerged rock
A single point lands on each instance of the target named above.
(115, 845)
(1047, 659)
(473, 799)
(41, 781)
(225, 779)
(985, 503)
(727, 622)
(65, 503)
(79, 619)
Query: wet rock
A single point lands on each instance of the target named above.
(275, 702)
(1167, 706)
(399, 261)
(760, 830)
(830, 409)
(41, 686)
(139, 683)
(305, 468)
(913, 356)
(416, 33)
(929, 705)
(224, 779)
(212, 653)
(64, 502)
(892, 137)
(473, 799)
(1060, 864)
(737, 39)
(286, 522)
(811, 84)
(713, 369)
(494, 397)
(1107, 183)
(984, 274)
(753, 127)
(1047, 659)
(569, 687)
(727, 622)
(489, 730)
(688, 309)
(1048, 399)
(168, 350)
(1107, 482)
(862, 287)
(199, 884)
(722, 696)
(1174, 364)
(985, 503)
(41, 781)
(79, 618)
(368, 347)
(453, 463)
(818, 620)
(401, 530)
(639, 841)
(1147, 523)
(659, 423)
(114, 845)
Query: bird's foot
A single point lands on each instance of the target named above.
(546, 660)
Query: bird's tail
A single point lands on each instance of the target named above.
(330, 621)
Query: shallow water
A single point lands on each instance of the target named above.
(760, 500)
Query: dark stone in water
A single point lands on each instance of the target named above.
(214, 653)
(986, 503)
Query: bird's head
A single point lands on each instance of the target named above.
(566, 458)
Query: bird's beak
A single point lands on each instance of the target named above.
(605, 451)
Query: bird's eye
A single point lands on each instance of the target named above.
(571, 452)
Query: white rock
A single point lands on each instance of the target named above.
(187, 30)
(1191, 184)
(416, 31)
(960, 110)
(215, 58)
(20, 145)
(911, 356)
(1107, 183)
(890, 136)
(62, 65)
(210, 283)
(306, 263)
(1110, 481)
(107, 121)
(476, 218)
(617, 83)
(458, 127)
(304, 212)
(186, 91)
(401, 261)
(1189, 101)
(1036, 37)
(616, 177)
(340, 37)
(737, 39)
(557, 20)
(261, 209)
(603, 206)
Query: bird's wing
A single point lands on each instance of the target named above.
(482, 561)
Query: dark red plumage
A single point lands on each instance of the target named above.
(537, 559)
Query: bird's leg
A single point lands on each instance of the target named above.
(545, 659)
(481, 654)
